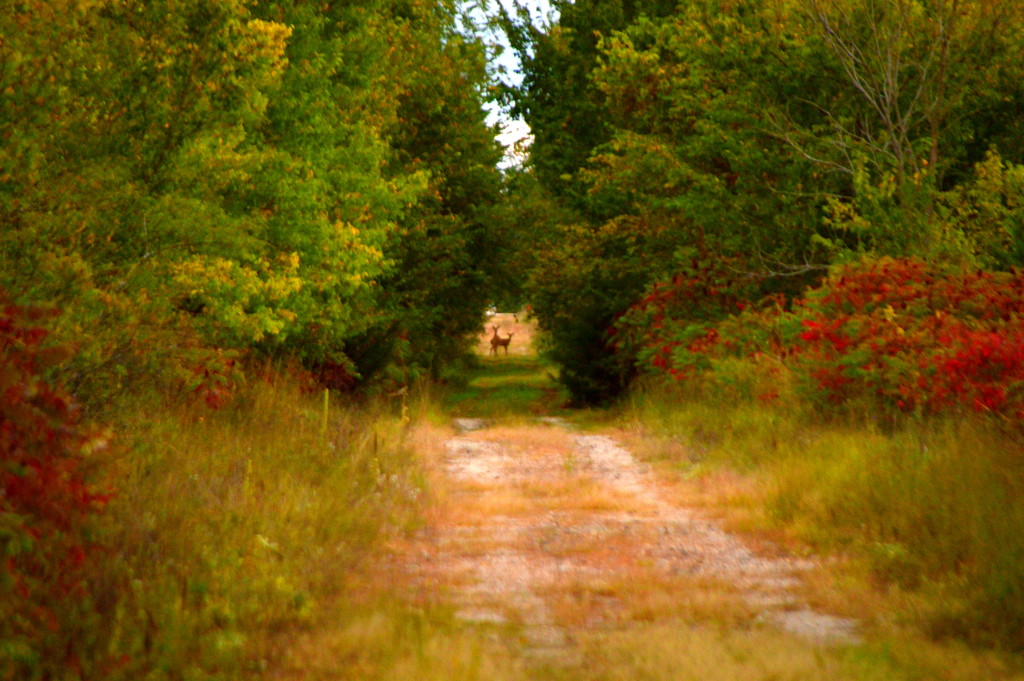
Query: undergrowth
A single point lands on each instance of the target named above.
(931, 509)
(238, 524)
(228, 533)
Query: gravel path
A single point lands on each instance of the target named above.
(551, 531)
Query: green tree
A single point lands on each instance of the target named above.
(107, 105)
(776, 136)
(920, 91)
(557, 97)
(687, 171)
(430, 302)
(190, 177)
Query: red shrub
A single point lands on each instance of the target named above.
(211, 376)
(676, 319)
(45, 498)
(902, 335)
(912, 336)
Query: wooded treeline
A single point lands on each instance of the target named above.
(750, 146)
(794, 230)
(189, 182)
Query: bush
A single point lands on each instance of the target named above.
(894, 336)
(46, 505)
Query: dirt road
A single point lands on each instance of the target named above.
(551, 533)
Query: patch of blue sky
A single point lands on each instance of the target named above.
(514, 133)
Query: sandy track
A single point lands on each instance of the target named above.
(552, 532)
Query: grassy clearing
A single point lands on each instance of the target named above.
(506, 387)
(929, 517)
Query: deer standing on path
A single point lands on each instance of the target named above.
(498, 341)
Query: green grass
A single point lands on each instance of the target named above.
(506, 387)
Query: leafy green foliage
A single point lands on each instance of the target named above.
(557, 98)
(249, 177)
(986, 212)
(199, 187)
(775, 137)
(445, 248)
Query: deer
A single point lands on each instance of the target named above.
(497, 341)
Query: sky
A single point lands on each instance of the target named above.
(513, 130)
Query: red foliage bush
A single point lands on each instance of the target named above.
(335, 376)
(45, 498)
(672, 329)
(912, 336)
(213, 377)
(899, 334)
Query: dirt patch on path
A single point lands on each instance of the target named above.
(551, 533)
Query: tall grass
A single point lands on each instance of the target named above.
(234, 529)
(934, 509)
(678, 652)
(253, 542)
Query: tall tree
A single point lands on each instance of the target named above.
(557, 97)
(186, 178)
(921, 92)
(430, 301)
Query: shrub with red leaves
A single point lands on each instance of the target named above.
(45, 500)
(915, 337)
(673, 327)
(901, 335)
(213, 377)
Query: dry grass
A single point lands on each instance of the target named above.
(542, 475)
(388, 642)
(893, 508)
(579, 493)
(230, 526)
(477, 504)
(680, 652)
(625, 593)
(699, 653)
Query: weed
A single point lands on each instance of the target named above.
(232, 528)
(932, 509)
